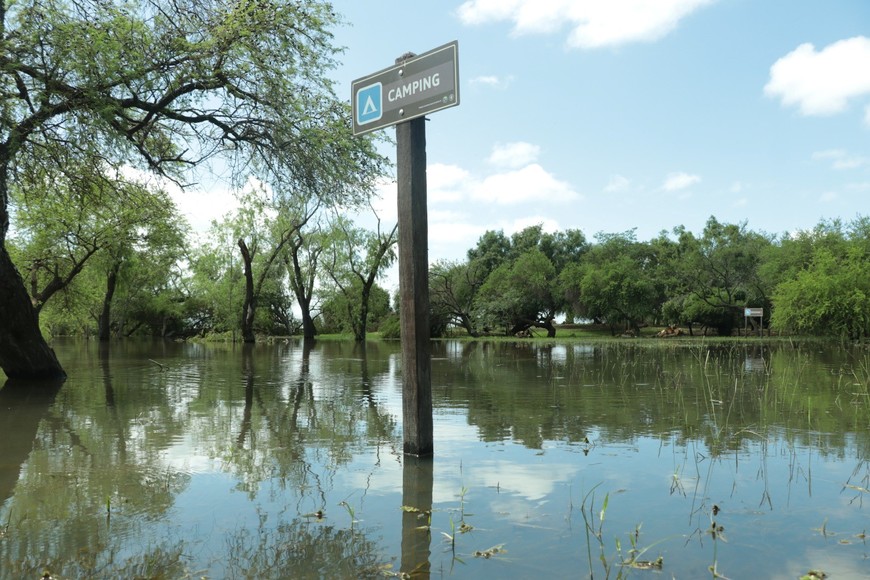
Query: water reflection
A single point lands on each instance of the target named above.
(417, 482)
(286, 461)
(23, 405)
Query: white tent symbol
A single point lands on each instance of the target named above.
(369, 107)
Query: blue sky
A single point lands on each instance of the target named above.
(610, 115)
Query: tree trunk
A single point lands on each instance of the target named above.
(24, 354)
(105, 321)
(548, 325)
(308, 327)
(248, 307)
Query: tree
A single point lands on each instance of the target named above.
(523, 288)
(264, 226)
(356, 259)
(65, 225)
(165, 84)
(453, 287)
(302, 259)
(615, 283)
(520, 294)
(829, 294)
(721, 270)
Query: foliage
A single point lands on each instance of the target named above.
(165, 85)
(831, 295)
(356, 259)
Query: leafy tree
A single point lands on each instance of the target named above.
(521, 294)
(166, 84)
(521, 287)
(356, 259)
(616, 282)
(302, 260)
(829, 295)
(264, 226)
(453, 286)
(721, 270)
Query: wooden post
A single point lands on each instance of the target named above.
(414, 287)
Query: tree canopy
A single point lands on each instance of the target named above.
(166, 85)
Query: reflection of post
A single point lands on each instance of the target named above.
(417, 474)
(414, 287)
(22, 407)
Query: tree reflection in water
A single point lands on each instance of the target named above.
(285, 460)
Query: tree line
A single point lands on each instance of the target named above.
(125, 265)
(813, 281)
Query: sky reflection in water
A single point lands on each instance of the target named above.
(285, 461)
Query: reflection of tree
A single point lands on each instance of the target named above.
(89, 460)
(303, 549)
(533, 393)
(284, 426)
(22, 407)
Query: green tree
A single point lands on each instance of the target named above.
(453, 287)
(164, 84)
(719, 274)
(302, 260)
(828, 294)
(356, 259)
(616, 282)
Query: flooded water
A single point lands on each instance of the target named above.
(567, 460)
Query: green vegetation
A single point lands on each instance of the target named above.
(99, 96)
(807, 282)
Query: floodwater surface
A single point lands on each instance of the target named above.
(614, 460)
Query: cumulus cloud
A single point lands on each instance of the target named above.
(446, 183)
(531, 183)
(515, 154)
(492, 81)
(592, 23)
(822, 82)
(680, 180)
(617, 183)
(840, 159)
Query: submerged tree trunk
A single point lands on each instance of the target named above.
(24, 354)
(105, 321)
(249, 306)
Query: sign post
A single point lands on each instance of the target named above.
(754, 313)
(401, 95)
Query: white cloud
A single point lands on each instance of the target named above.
(446, 183)
(680, 180)
(516, 154)
(736, 187)
(531, 183)
(822, 83)
(617, 183)
(199, 207)
(741, 202)
(840, 159)
(493, 81)
(867, 115)
(828, 197)
(593, 23)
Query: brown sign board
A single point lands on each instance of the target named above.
(411, 88)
